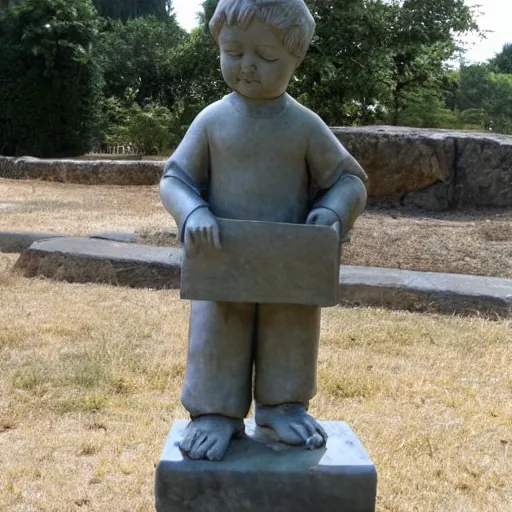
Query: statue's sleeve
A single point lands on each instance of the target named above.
(185, 180)
(337, 178)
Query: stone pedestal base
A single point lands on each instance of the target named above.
(260, 474)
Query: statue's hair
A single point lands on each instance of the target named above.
(292, 17)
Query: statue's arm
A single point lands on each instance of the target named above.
(347, 199)
(338, 179)
(185, 178)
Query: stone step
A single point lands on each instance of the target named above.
(84, 260)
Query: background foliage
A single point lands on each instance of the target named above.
(123, 72)
(50, 86)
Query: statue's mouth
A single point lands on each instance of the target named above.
(248, 81)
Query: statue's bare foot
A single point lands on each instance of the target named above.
(292, 424)
(208, 437)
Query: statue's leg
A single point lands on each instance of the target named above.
(218, 381)
(286, 366)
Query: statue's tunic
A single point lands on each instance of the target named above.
(266, 161)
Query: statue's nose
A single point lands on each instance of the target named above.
(248, 68)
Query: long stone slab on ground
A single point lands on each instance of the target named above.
(13, 242)
(82, 260)
(261, 474)
(88, 260)
(426, 291)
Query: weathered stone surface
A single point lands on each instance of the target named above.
(85, 260)
(80, 260)
(426, 291)
(14, 242)
(97, 172)
(160, 238)
(484, 170)
(7, 167)
(434, 198)
(467, 168)
(260, 474)
(266, 262)
(115, 236)
(399, 160)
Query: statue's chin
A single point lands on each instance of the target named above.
(252, 94)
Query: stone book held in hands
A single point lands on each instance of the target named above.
(266, 262)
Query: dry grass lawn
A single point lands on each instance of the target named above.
(473, 242)
(79, 209)
(90, 379)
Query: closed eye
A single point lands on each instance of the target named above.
(268, 57)
(233, 53)
(267, 53)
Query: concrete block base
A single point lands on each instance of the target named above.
(261, 474)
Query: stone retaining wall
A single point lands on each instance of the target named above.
(430, 169)
(433, 169)
(83, 172)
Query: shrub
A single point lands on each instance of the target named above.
(49, 85)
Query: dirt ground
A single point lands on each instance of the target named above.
(466, 242)
(469, 242)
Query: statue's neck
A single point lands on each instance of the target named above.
(259, 108)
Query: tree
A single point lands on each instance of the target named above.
(342, 76)
(136, 58)
(196, 79)
(150, 129)
(128, 9)
(482, 90)
(502, 62)
(4, 4)
(50, 86)
(424, 39)
(369, 58)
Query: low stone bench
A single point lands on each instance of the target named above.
(84, 260)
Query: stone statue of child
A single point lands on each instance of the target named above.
(256, 154)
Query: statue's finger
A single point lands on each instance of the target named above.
(190, 244)
(314, 442)
(216, 237)
(204, 236)
(208, 237)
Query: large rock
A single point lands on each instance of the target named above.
(483, 172)
(399, 160)
(84, 172)
(433, 169)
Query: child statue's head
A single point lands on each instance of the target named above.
(261, 43)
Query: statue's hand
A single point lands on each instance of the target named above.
(201, 231)
(324, 217)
